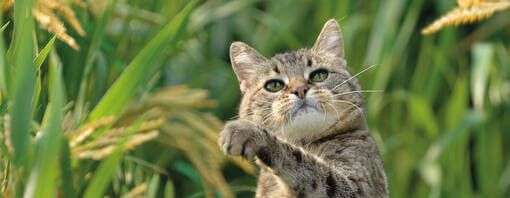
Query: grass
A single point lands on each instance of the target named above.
(136, 111)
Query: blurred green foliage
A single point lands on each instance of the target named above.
(442, 123)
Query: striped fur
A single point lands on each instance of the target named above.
(315, 146)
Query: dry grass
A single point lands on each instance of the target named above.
(193, 133)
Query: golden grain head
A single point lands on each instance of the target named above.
(468, 11)
(88, 129)
(7, 4)
(45, 12)
(107, 145)
(96, 154)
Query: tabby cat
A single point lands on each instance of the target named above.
(302, 117)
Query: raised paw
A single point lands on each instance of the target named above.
(242, 138)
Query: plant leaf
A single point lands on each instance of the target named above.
(106, 170)
(4, 67)
(91, 55)
(4, 26)
(44, 172)
(24, 81)
(104, 174)
(65, 169)
(169, 189)
(152, 191)
(482, 57)
(39, 59)
(125, 87)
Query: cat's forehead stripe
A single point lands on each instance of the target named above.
(275, 69)
(292, 58)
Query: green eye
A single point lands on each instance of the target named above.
(274, 85)
(318, 75)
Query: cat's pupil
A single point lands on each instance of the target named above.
(274, 85)
(319, 75)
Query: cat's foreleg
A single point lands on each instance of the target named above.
(305, 174)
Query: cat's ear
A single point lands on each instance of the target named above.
(330, 41)
(245, 61)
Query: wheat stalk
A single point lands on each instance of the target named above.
(98, 154)
(468, 11)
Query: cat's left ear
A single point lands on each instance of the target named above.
(330, 41)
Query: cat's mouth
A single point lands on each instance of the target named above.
(303, 107)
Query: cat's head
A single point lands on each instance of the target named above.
(303, 94)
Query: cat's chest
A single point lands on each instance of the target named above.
(269, 185)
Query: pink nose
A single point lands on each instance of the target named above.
(299, 91)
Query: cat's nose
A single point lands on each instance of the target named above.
(299, 91)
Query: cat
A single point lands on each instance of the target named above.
(302, 117)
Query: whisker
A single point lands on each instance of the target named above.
(325, 113)
(337, 114)
(250, 113)
(364, 70)
(273, 112)
(269, 116)
(359, 108)
(271, 119)
(276, 122)
(282, 129)
(359, 91)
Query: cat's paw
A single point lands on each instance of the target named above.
(242, 138)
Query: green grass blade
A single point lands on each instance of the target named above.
(104, 174)
(65, 169)
(429, 168)
(169, 189)
(106, 170)
(49, 145)
(89, 60)
(4, 26)
(152, 191)
(488, 143)
(24, 81)
(37, 91)
(125, 87)
(4, 67)
(39, 59)
(422, 115)
(482, 57)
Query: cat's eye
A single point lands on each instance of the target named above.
(318, 75)
(274, 85)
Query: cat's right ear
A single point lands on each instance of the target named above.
(245, 61)
(330, 41)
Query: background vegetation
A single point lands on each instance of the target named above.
(128, 99)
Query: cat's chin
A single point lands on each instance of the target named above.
(303, 110)
(306, 122)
